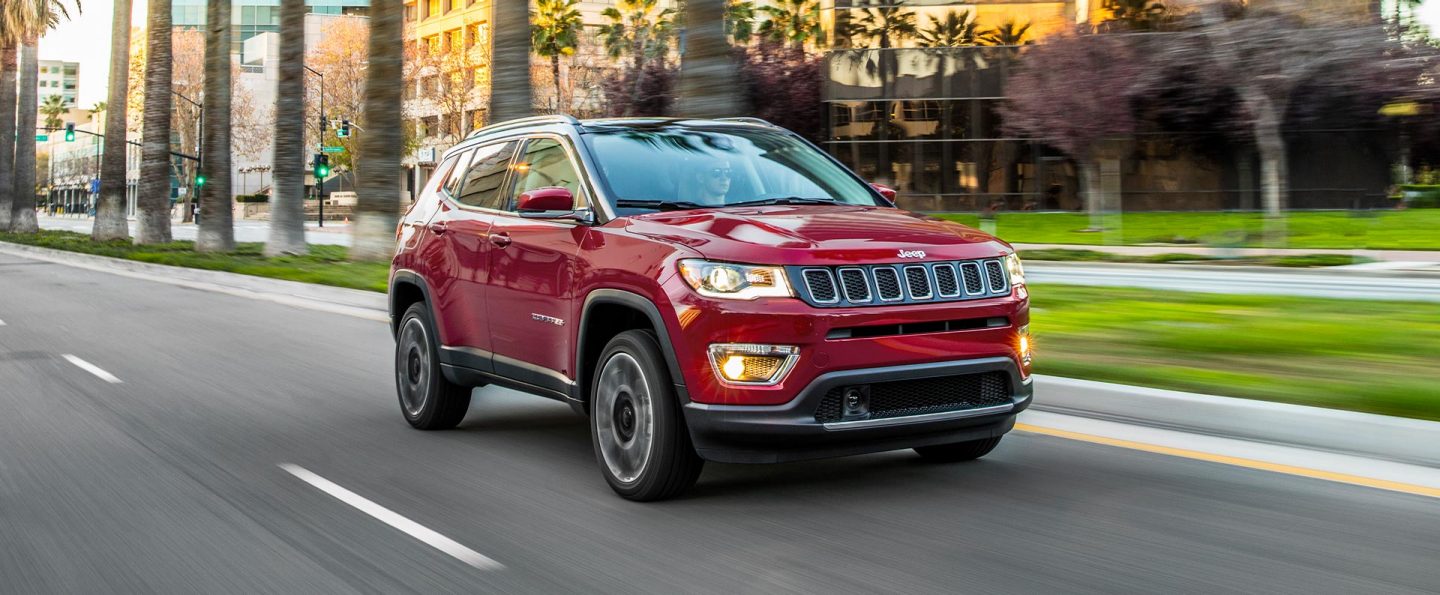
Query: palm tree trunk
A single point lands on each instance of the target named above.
(287, 197)
(217, 228)
(510, 85)
(709, 77)
(639, 68)
(8, 69)
(555, 73)
(110, 222)
(153, 200)
(377, 206)
(22, 211)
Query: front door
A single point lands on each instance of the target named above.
(532, 273)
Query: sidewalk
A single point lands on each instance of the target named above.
(334, 233)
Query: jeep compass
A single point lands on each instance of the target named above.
(702, 290)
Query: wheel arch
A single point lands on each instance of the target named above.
(406, 289)
(609, 312)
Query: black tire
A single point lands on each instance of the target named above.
(428, 400)
(668, 464)
(959, 451)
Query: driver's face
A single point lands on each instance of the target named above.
(716, 179)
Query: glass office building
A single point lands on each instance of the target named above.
(253, 17)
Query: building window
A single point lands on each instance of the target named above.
(429, 126)
(455, 38)
(432, 9)
(410, 10)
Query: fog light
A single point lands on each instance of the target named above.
(744, 363)
(1023, 345)
(856, 401)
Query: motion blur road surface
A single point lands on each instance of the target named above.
(149, 461)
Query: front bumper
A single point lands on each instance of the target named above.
(789, 432)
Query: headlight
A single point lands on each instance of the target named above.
(734, 281)
(1017, 272)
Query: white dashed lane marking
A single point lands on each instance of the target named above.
(91, 368)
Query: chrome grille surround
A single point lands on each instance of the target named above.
(908, 283)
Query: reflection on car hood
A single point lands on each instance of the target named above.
(816, 234)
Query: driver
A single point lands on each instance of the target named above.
(710, 181)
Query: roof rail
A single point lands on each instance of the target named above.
(749, 120)
(546, 119)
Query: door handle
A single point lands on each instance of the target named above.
(500, 239)
(439, 228)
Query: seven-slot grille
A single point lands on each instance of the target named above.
(873, 285)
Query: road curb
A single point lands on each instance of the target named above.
(1375, 436)
(340, 300)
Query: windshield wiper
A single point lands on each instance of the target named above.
(787, 200)
(660, 205)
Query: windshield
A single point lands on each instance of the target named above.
(646, 169)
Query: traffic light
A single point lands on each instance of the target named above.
(344, 130)
(69, 132)
(199, 180)
(322, 166)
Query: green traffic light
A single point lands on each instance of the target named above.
(200, 180)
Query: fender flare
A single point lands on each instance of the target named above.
(651, 311)
(413, 278)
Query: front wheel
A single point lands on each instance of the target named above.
(959, 451)
(428, 399)
(636, 425)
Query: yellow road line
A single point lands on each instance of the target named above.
(1382, 484)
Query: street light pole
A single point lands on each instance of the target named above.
(320, 146)
(199, 142)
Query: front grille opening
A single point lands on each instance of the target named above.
(973, 284)
(945, 282)
(853, 283)
(887, 283)
(918, 282)
(821, 286)
(995, 274)
(916, 328)
(902, 398)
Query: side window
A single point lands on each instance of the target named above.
(452, 183)
(482, 184)
(438, 176)
(546, 164)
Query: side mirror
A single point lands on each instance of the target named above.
(551, 202)
(885, 191)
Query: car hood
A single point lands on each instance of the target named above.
(816, 234)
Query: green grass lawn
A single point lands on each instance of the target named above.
(1290, 261)
(1414, 229)
(1379, 357)
(325, 265)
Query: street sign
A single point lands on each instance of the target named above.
(95, 186)
(425, 155)
(333, 149)
(42, 138)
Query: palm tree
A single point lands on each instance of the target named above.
(8, 68)
(378, 203)
(110, 222)
(635, 28)
(794, 21)
(956, 29)
(25, 21)
(510, 95)
(740, 20)
(709, 77)
(1009, 33)
(52, 108)
(555, 31)
(153, 192)
(287, 196)
(1137, 15)
(886, 26)
(216, 227)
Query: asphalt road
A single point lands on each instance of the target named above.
(168, 481)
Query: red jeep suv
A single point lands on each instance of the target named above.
(702, 290)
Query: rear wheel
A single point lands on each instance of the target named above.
(959, 451)
(636, 425)
(428, 400)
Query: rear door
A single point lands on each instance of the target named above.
(533, 267)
